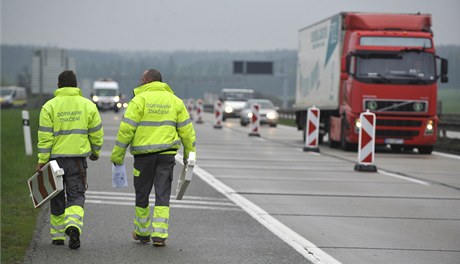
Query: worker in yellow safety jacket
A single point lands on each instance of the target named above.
(155, 124)
(70, 130)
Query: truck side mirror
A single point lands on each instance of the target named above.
(444, 67)
(344, 68)
(444, 70)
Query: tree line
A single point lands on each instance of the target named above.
(189, 73)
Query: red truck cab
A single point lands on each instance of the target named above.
(388, 66)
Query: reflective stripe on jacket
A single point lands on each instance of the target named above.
(155, 121)
(70, 126)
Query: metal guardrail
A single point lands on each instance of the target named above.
(447, 122)
(450, 122)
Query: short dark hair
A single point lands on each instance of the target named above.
(153, 75)
(67, 79)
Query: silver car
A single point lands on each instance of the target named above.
(268, 113)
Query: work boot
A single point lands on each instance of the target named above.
(58, 242)
(142, 239)
(74, 236)
(158, 242)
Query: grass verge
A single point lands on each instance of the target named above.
(18, 216)
(449, 99)
(287, 122)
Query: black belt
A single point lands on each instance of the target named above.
(153, 153)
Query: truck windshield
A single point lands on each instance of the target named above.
(405, 67)
(5, 92)
(237, 96)
(105, 92)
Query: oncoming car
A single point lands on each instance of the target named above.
(268, 113)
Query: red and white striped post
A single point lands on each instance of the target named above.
(218, 112)
(255, 120)
(366, 144)
(190, 108)
(312, 131)
(199, 111)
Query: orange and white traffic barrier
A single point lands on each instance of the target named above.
(312, 130)
(255, 120)
(366, 144)
(218, 114)
(190, 108)
(199, 111)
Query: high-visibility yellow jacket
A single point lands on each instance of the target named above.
(70, 126)
(156, 121)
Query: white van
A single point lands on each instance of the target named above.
(234, 100)
(13, 96)
(106, 95)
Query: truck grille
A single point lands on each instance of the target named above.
(406, 134)
(395, 106)
(389, 133)
(398, 123)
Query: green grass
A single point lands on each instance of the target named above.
(450, 99)
(287, 122)
(18, 216)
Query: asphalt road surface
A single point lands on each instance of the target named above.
(264, 200)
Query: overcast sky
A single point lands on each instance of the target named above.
(169, 25)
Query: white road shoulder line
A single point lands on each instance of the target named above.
(403, 177)
(306, 248)
(446, 155)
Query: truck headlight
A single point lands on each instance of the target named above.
(357, 125)
(228, 109)
(250, 115)
(95, 98)
(429, 129)
(116, 99)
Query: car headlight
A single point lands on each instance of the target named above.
(272, 115)
(250, 114)
(228, 109)
(119, 105)
(116, 99)
(125, 105)
(95, 98)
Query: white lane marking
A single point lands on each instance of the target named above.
(261, 139)
(172, 198)
(153, 200)
(306, 248)
(403, 177)
(172, 205)
(446, 155)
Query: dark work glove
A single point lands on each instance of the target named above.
(93, 157)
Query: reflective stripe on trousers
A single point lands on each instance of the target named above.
(57, 227)
(74, 217)
(160, 223)
(142, 221)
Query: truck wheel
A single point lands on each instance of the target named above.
(425, 150)
(344, 144)
(304, 134)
